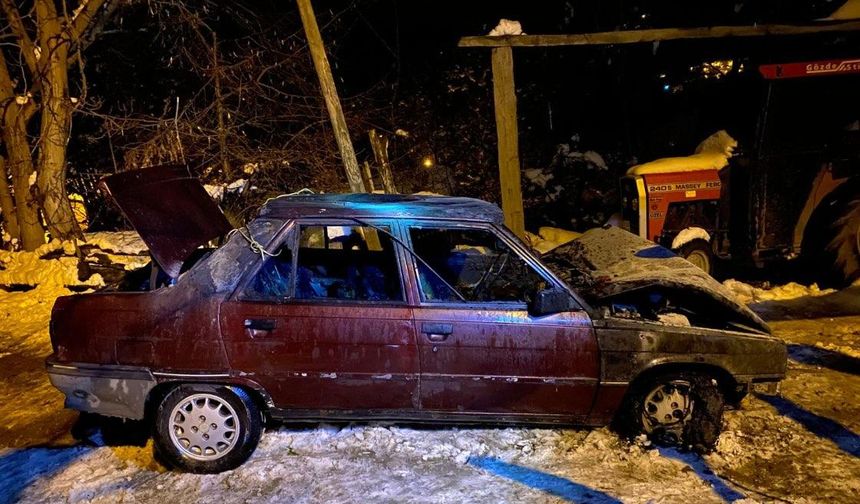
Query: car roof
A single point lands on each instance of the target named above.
(382, 205)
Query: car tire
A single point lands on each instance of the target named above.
(206, 428)
(699, 253)
(675, 409)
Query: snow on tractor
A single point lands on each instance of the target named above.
(794, 193)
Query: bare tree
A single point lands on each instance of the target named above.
(47, 38)
(254, 105)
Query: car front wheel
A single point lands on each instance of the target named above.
(676, 409)
(206, 428)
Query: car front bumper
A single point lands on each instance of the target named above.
(118, 391)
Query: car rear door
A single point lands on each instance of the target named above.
(323, 323)
(485, 354)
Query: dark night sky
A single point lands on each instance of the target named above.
(640, 101)
(613, 96)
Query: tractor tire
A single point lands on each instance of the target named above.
(845, 244)
(699, 253)
(831, 244)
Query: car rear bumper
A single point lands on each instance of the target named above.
(118, 391)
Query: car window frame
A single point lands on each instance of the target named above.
(284, 235)
(548, 277)
(293, 234)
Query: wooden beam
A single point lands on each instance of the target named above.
(329, 92)
(379, 145)
(505, 100)
(640, 36)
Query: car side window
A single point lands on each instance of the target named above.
(347, 263)
(476, 263)
(273, 281)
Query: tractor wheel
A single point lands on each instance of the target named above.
(831, 245)
(845, 244)
(699, 253)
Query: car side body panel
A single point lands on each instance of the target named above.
(629, 348)
(506, 361)
(170, 330)
(323, 356)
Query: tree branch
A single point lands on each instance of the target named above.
(82, 19)
(24, 40)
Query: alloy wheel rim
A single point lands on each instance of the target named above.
(667, 408)
(204, 427)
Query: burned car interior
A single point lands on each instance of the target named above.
(475, 262)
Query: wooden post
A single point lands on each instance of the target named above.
(506, 130)
(367, 177)
(379, 145)
(329, 92)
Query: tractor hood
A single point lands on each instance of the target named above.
(607, 263)
(171, 211)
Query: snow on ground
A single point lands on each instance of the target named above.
(801, 446)
(746, 293)
(53, 263)
(118, 242)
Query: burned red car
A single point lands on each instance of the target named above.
(394, 307)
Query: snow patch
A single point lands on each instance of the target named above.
(118, 242)
(712, 154)
(53, 263)
(549, 238)
(507, 27)
(538, 176)
(218, 191)
(689, 234)
(748, 294)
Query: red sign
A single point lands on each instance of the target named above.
(809, 69)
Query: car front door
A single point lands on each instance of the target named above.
(481, 351)
(323, 323)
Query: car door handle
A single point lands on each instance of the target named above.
(437, 332)
(259, 324)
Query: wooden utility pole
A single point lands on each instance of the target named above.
(379, 145)
(505, 100)
(329, 92)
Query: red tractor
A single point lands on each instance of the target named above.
(795, 193)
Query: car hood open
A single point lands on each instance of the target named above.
(607, 262)
(170, 209)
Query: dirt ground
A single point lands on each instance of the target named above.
(801, 446)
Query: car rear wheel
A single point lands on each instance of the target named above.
(206, 428)
(699, 253)
(675, 409)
